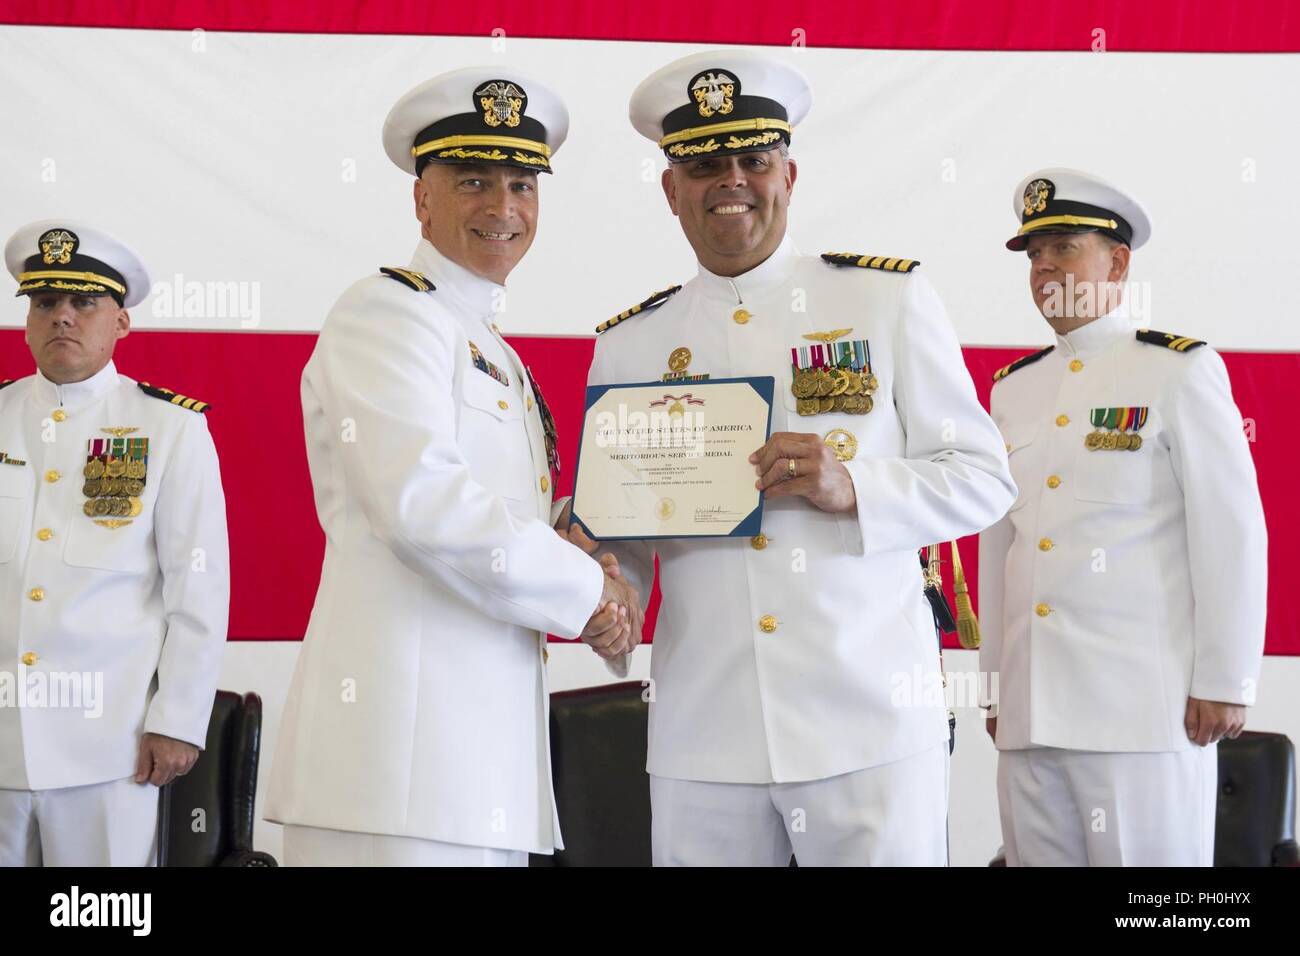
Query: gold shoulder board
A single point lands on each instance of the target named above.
(167, 395)
(884, 263)
(409, 278)
(1179, 343)
(656, 300)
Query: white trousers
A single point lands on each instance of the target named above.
(103, 824)
(314, 846)
(1080, 808)
(892, 815)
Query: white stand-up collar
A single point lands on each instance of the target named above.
(1099, 334)
(750, 285)
(74, 395)
(481, 297)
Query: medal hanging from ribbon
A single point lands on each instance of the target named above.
(833, 377)
(1121, 428)
(116, 471)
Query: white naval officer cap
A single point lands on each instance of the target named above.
(479, 114)
(69, 257)
(1068, 200)
(720, 102)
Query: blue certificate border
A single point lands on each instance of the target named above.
(764, 385)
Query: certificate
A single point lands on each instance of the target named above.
(671, 459)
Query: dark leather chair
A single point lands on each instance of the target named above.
(1254, 822)
(1255, 819)
(598, 756)
(223, 784)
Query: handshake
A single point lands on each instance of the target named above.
(614, 628)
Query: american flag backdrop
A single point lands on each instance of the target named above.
(237, 148)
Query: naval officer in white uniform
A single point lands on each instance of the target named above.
(1123, 595)
(114, 567)
(415, 731)
(782, 715)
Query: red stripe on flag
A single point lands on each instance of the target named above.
(1156, 25)
(276, 543)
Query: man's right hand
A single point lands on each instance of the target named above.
(601, 632)
(615, 628)
(991, 725)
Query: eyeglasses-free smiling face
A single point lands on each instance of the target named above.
(481, 217)
(72, 337)
(733, 208)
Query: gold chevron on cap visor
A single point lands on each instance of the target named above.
(506, 142)
(717, 129)
(25, 277)
(1067, 221)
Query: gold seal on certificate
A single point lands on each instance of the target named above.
(671, 459)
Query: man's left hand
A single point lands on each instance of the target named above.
(794, 463)
(162, 759)
(1209, 721)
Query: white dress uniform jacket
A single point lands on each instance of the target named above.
(143, 604)
(418, 706)
(837, 686)
(1121, 582)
